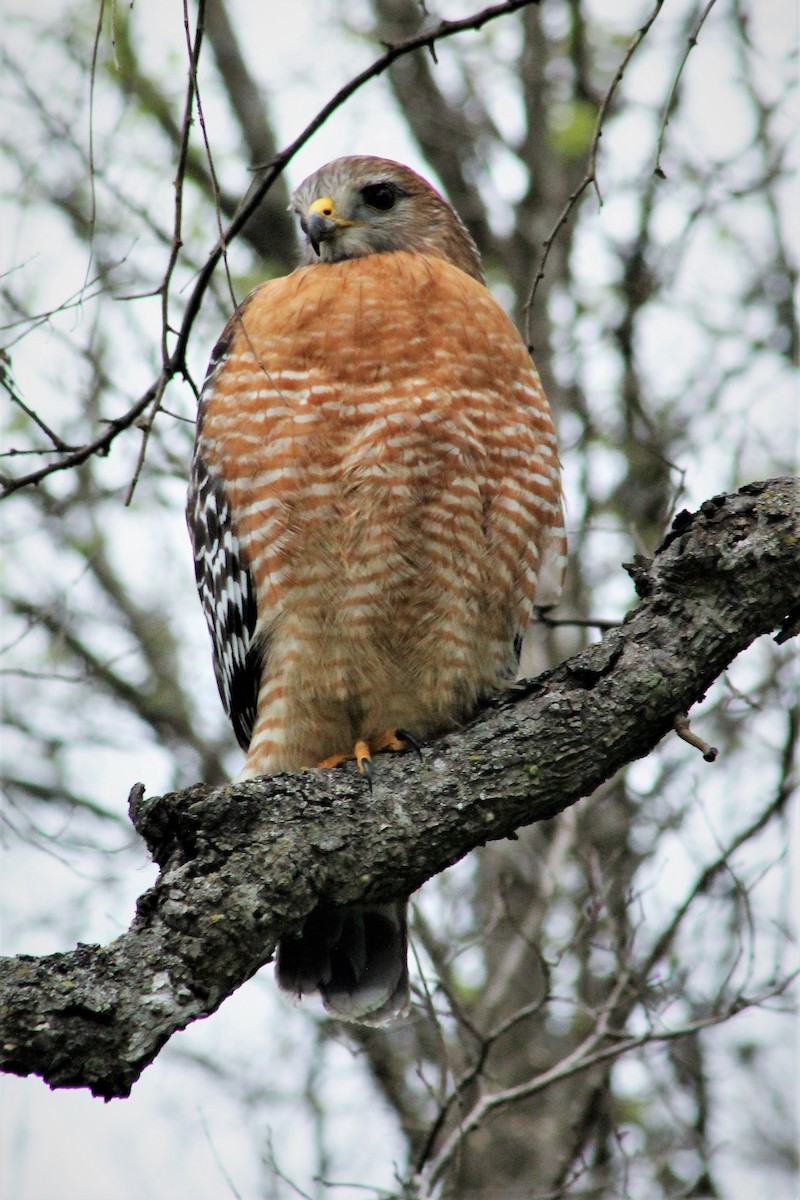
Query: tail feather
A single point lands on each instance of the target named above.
(356, 958)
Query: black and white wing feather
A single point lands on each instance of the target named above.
(225, 588)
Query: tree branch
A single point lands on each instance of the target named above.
(245, 864)
(175, 363)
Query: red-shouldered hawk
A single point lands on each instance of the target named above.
(375, 498)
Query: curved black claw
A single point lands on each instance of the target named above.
(363, 761)
(367, 770)
(404, 736)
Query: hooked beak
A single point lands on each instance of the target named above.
(321, 222)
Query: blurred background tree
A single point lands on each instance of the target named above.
(663, 326)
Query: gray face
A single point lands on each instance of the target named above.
(362, 205)
(346, 214)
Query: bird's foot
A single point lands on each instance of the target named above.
(388, 739)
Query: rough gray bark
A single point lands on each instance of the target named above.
(243, 864)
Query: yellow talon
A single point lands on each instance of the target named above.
(363, 758)
(364, 749)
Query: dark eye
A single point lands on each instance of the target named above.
(380, 195)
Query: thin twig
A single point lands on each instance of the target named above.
(58, 444)
(476, 1069)
(592, 1050)
(274, 168)
(175, 363)
(92, 219)
(590, 1053)
(668, 107)
(32, 321)
(706, 877)
(177, 239)
(590, 178)
(541, 616)
(98, 445)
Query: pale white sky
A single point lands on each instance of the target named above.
(177, 1136)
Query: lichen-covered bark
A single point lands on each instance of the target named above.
(244, 864)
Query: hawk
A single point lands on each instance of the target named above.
(374, 505)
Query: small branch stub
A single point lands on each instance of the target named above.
(684, 731)
(245, 864)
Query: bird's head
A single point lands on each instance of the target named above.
(361, 205)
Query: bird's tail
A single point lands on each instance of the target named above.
(356, 958)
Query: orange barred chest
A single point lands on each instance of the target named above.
(383, 435)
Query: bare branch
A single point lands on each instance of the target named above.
(175, 363)
(273, 169)
(590, 177)
(606, 1041)
(8, 385)
(192, 97)
(602, 1045)
(691, 42)
(243, 865)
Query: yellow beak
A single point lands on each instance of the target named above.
(322, 222)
